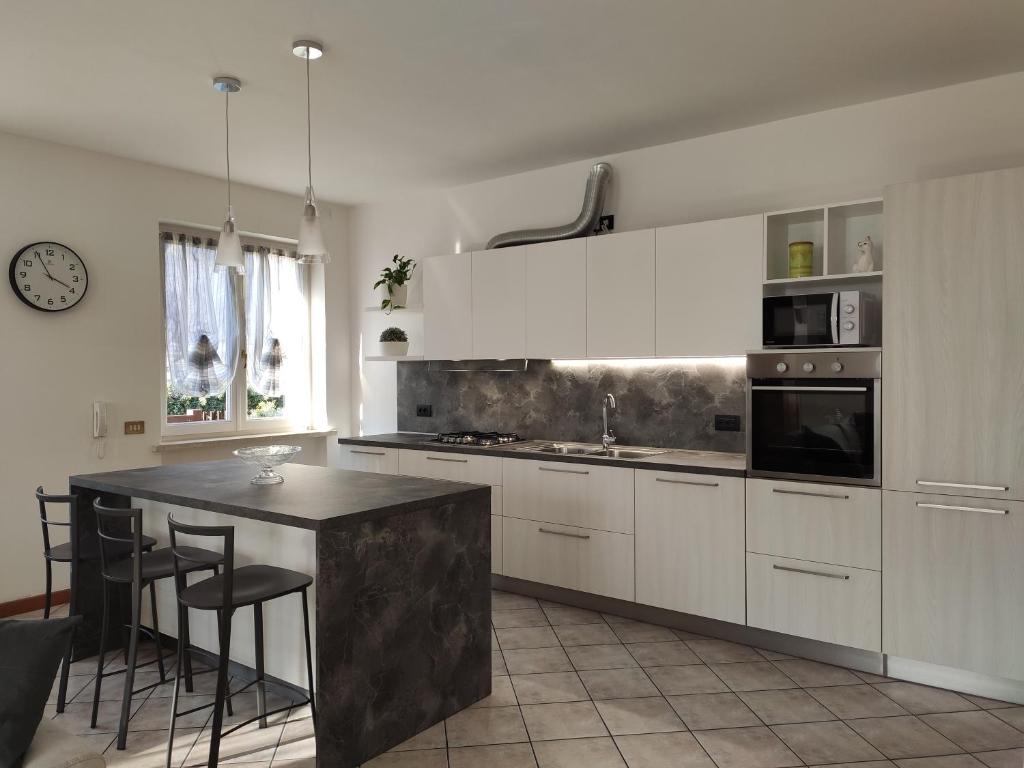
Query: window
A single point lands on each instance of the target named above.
(237, 346)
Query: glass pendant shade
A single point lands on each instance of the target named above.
(229, 247)
(311, 248)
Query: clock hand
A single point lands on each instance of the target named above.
(56, 280)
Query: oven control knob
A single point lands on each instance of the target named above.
(808, 367)
(849, 309)
(781, 367)
(849, 325)
(836, 367)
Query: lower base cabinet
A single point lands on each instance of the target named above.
(365, 458)
(496, 544)
(583, 559)
(830, 603)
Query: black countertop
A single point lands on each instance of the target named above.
(696, 462)
(311, 497)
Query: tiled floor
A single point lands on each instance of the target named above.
(577, 689)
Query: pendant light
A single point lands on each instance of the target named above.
(311, 248)
(229, 247)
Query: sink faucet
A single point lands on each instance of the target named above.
(608, 438)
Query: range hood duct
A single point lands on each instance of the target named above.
(585, 223)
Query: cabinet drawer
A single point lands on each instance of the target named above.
(496, 544)
(592, 561)
(584, 495)
(445, 465)
(826, 523)
(364, 458)
(830, 603)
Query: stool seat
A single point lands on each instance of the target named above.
(159, 564)
(250, 584)
(62, 552)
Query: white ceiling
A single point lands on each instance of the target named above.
(428, 93)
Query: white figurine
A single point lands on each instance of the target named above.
(866, 257)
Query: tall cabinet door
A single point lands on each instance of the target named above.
(953, 358)
(709, 287)
(499, 303)
(556, 299)
(447, 307)
(620, 294)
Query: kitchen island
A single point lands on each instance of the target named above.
(401, 570)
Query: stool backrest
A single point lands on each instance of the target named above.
(120, 535)
(50, 498)
(182, 559)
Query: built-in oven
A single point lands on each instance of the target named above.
(815, 415)
(842, 319)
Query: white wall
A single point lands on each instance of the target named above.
(109, 347)
(831, 156)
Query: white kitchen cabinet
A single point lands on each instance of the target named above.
(447, 307)
(621, 294)
(584, 495)
(811, 521)
(556, 300)
(689, 544)
(954, 310)
(365, 458)
(599, 562)
(830, 603)
(709, 287)
(499, 303)
(953, 574)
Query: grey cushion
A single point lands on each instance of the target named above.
(30, 655)
(53, 747)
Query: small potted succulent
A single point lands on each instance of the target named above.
(394, 342)
(394, 283)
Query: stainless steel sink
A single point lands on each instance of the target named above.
(631, 453)
(589, 449)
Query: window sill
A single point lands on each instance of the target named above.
(181, 445)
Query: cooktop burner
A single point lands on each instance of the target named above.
(477, 438)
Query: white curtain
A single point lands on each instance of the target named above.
(201, 317)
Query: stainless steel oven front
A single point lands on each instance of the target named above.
(815, 415)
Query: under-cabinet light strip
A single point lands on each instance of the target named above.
(732, 361)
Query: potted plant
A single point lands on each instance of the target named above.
(394, 341)
(393, 283)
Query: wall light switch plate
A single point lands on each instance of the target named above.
(727, 423)
(425, 410)
(135, 427)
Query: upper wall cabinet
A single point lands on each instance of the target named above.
(621, 294)
(556, 299)
(447, 308)
(499, 303)
(709, 287)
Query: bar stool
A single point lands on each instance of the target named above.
(123, 561)
(66, 553)
(235, 588)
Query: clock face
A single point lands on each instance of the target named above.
(49, 277)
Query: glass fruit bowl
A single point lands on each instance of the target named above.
(266, 457)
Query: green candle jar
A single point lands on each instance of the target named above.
(801, 259)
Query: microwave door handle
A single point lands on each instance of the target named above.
(834, 317)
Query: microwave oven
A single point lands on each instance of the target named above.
(839, 319)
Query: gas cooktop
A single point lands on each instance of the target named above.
(477, 438)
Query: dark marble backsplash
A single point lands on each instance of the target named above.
(664, 404)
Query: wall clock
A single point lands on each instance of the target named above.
(49, 277)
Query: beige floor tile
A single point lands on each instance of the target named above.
(849, 702)
(76, 686)
(754, 747)
(429, 738)
(773, 655)
(493, 756)
(650, 715)
(549, 688)
(76, 716)
(706, 711)
(904, 736)
(945, 761)
(586, 657)
(865, 764)
(984, 703)
(523, 617)
(560, 615)
(98, 742)
(204, 683)
(693, 678)
(868, 677)
(924, 700)
(246, 745)
(1012, 715)
(298, 741)
(752, 676)
(813, 674)
(579, 753)
(514, 638)
(574, 720)
(663, 750)
(617, 683)
(502, 694)
(424, 758)
(817, 743)
(714, 651)
(639, 632)
(1003, 758)
(498, 663)
(488, 725)
(786, 706)
(148, 749)
(586, 634)
(155, 714)
(977, 731)
(526, 661)
(507, 601)
(302, 762)
(662, 654)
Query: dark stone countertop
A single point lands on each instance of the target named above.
(311, 497)
(695, 462)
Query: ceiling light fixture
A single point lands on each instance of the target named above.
(229, 247)
(311, 248)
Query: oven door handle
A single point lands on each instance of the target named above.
(798, 388)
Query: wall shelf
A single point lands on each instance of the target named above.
(390, 358)
(410, 308)
(876, 274)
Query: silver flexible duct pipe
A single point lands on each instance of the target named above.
(585, 223)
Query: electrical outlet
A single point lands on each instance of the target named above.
(425, 410)
(135, 427)
(727, 422)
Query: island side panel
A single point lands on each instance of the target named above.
(403, 616)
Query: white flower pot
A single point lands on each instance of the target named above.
(399, 295)
(394, 348)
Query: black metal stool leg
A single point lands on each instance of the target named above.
(49, 590)
(177, 687)
(309, 658)
(129, 672)
(261, 687)
(101, 659)
(220, 629)
(222, 687)
(186, 641)
(156, 633)
(65, 665)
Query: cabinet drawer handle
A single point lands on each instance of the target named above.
(367, 453)
(565, 472)
(958, 508)
(564, 533)
(685, 482)
(809, 493)
(972, 486)
(445, 458)
(839, 576)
